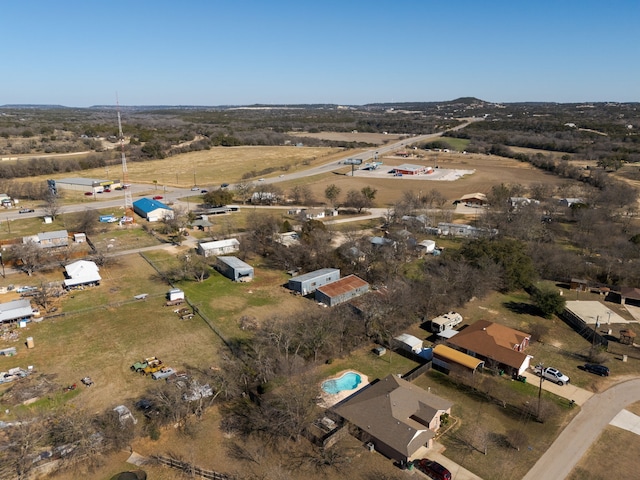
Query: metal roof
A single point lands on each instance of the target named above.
(15, 309)
(456, 356)
(315, 274)
(342, 286)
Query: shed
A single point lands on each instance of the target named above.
(427, 246)
(408, 342)
(341, 290)
(309, 282)
(627, 336)
(219, 247)
(234, 268)
(152, 210)
(79, 237)
(630, 294)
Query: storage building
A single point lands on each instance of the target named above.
(309, 282)
(234, 268)
(341, 290)
(152, 210)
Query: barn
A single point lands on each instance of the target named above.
(234, 268)
(341, 290)
(309, 282)
(152, 210)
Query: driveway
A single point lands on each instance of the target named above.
(569, 391)
(574, 441)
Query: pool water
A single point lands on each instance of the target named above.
(348, 381)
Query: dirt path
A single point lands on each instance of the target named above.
(574, 441)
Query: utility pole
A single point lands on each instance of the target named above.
(541, 367)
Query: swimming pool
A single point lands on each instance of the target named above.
(348, 381)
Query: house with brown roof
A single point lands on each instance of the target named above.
(630, 293)
(397, 417)
(495, 344)
(341, 290)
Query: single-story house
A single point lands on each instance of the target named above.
(450, 359)
(479, 199)
(309, 282)
(395, 416)
(313, 213)
(16, 310)
(341, 290)
(630, 294)
(152, 210)
(408, 342)
(81, 272)
(219, 247)
(234, 268)
(381, 241)
(494, 343)
(569, 202)
(463, 230)
(287, 239)
(57, 238)
(408, 169)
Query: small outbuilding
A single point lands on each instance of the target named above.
(218, 247)
(408, 342)
(234, 268)
(310, 282)
(341, 290)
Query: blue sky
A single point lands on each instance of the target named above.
(210, 52)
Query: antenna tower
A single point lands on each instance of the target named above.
(128, 201)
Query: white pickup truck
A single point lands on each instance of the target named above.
(552, 374)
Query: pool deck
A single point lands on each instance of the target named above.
(328, 400)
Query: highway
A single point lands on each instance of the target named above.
(115, 199)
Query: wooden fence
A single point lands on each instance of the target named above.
(190, 469)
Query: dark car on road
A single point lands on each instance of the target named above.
(26, 210)
(433, 469)
(597, 369)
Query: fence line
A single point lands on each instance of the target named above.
(190, 469)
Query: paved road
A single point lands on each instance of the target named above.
(574, 441)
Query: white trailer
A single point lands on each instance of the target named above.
(448, 321)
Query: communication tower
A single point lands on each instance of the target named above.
(128, 201)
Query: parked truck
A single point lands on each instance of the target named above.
(140, 366)
(448, 321)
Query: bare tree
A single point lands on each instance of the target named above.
(30, 256)
(52, 205)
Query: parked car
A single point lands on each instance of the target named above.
(195, 189)
(552, 374)
(158, 197)
(163, 373)
(88, 193)
(261, 180)
(224, 185)
(204, 191)
(433, 469)
(597, 369)
(107, 190)
(26, 210)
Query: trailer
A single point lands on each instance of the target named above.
(445, 322)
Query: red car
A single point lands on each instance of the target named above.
(88, 193)
(433, 469)
(158, 197)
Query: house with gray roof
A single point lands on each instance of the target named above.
(397, 417)
(234, 268)
(57, 238)
(16, 310)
